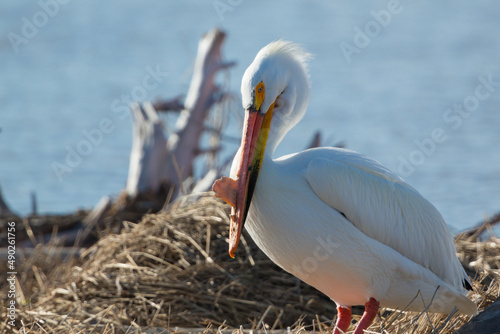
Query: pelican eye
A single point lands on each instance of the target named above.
(260, 94)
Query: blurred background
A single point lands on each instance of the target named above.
(386, 76)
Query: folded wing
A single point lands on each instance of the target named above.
(388, 210)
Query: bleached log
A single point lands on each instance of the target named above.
(149, 151)
(183, 145)
(157, 163)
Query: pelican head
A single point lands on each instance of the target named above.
(277, 82)
(275, 92)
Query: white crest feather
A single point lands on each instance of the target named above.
(286, 48)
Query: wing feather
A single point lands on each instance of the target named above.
(387, 209)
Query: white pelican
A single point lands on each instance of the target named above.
(336, 219)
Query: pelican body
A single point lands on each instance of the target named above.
(334, 218)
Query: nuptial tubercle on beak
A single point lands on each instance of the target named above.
(238, 193)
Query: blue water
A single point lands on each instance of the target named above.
(72, 74)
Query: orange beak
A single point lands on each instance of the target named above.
(246, 177)
(238, 193)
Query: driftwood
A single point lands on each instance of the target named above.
(159, 165)
(33, 230)
(315, 141)
(4, 208)
(93, 221)
(483, 228)
(174, 104)
(149, 151)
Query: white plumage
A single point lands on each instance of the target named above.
(328, 217)
(338, 220)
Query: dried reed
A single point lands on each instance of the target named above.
(172, 271)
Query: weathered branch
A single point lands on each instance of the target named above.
(174, 104)
(316, 140)
(481, 227)
(4, 208)
(160, 164)
(183, 144)
(149, 151)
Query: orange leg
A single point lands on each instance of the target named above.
(343, 319)
(371, 308)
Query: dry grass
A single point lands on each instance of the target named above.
(172, 271)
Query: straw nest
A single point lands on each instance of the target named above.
(172, 270)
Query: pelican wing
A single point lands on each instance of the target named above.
(386, 209)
